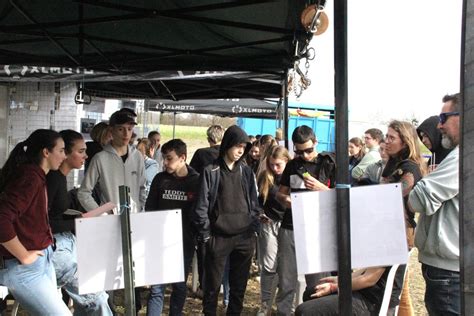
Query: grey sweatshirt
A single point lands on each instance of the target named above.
(369, 158)
(109, 171)
(436, 198)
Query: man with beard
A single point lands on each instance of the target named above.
(436, 198)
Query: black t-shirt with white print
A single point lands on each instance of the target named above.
(169, 192)
(293, 178)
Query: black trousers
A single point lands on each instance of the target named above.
(328, 306)
(239, 249)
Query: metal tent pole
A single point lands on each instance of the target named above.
(128, 273)
(342, 172)
(174, 124)
(466, 162)
(285, 111)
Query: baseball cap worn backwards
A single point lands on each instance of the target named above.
(123, 116)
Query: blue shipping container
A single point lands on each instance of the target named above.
(323, 126)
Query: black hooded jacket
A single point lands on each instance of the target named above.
(217, 212)
(430, 128)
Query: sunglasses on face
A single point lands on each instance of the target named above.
(302, 151)
(443, 117)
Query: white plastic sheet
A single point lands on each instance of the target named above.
(157, 250)
(378, 236)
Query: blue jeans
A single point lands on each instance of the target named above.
(225, 283)
(178, 295)
(34, 285)
(65, 265)
(442, 296)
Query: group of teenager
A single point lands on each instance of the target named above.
(234, 195)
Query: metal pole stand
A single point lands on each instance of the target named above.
(128, 273)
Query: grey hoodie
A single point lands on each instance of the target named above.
(436, 198)
(109, 171)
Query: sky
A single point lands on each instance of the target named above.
(401, 60)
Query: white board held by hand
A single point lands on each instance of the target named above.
(378, 235)
(157, 249)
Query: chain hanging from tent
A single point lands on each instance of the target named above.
(298, 80)
(314, 20)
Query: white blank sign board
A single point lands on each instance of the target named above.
(3, 292)
(157, 250)
(314, 222)
(378, 235)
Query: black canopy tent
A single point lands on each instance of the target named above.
(259, 39)
(126, 43)
(222, 107)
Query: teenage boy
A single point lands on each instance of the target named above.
(206, 156)
(117, 164)
(175, 187)
(225, 217)
(373, 137)
(308, 171)
(201, 158)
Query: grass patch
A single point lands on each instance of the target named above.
(186, 133)
(194, 136)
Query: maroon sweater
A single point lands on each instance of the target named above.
(24, 211)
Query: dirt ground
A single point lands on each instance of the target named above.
(252, 297)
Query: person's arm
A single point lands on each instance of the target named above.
(313, 184)
(361, 279)
(273, 204)
(367, 278)
(256, 208)
(408, 182)
(16, 248)
(434, 189)
(13, 203)
(200, 216)
(283, 196)
(369, 173)
(151, 171)
(141, 185)
(368, 159)
(152, 201)
(84, 194)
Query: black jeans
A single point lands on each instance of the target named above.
(328, 306)
(443, 291)
(239, 249)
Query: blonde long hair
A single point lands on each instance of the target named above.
(409, 137)
(266, 177)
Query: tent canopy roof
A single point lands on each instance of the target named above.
(127, 41)
(224, 107)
